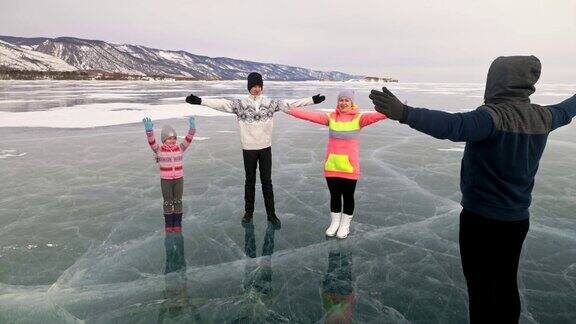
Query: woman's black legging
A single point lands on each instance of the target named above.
(341, 188)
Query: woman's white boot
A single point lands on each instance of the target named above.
(334, 224)
(344, 228)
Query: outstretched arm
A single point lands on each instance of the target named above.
(457, 127)
(285, 104)
(563, 112)
(190, 136)
(149, 127)
(312, 116)
(223, 105)
(371, 118)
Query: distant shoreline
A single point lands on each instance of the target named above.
(7, 74)
(87, 75)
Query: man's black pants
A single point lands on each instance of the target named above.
(490, 252)
(262, 159)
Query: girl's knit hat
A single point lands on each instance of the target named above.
(167, 131)
(347, 94)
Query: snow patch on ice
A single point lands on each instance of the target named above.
(179, 99)
(458, 148)
(196, 138)
(555, 94)
(97, 115)
(10, 153)
(113, 95)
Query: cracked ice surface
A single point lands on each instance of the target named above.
(81, 228)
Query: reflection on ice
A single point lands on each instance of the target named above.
(176, 292)
(338, 297)
(457, 148)
(257, 281)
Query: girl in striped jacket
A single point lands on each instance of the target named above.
(342, 165)
(169, 158)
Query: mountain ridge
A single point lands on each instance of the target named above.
(84, 54)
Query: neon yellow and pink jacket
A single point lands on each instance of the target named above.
(170, 157)
(342, 159)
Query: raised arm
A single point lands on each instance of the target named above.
(312, 116)
(563, 112)
(371, 118)
(223, 105)
(149, 127)
(457, 127)
(190, 136)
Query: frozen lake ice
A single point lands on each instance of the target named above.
(81, 227)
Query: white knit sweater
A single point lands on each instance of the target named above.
(255, 116)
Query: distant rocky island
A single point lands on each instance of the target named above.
(378, 79)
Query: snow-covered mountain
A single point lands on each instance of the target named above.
(19, 58)
(140, 60)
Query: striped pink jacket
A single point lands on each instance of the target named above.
(170, 157)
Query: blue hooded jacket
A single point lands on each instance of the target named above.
(505, 138)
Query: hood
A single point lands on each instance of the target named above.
(512, 78)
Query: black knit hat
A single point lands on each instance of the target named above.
(254, 79)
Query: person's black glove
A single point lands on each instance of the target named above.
(193, 100)
(386, 103)
(318, 98)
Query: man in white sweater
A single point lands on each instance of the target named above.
(255, 117)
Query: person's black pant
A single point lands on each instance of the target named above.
(262, 159)
(490, 252)
(341, 188)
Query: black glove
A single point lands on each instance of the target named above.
(318, 98)
(386, 103)
(194, 100)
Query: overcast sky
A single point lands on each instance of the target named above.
(412, 40)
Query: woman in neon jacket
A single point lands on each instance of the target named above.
(341, 165)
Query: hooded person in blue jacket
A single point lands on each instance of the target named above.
(505, 139)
